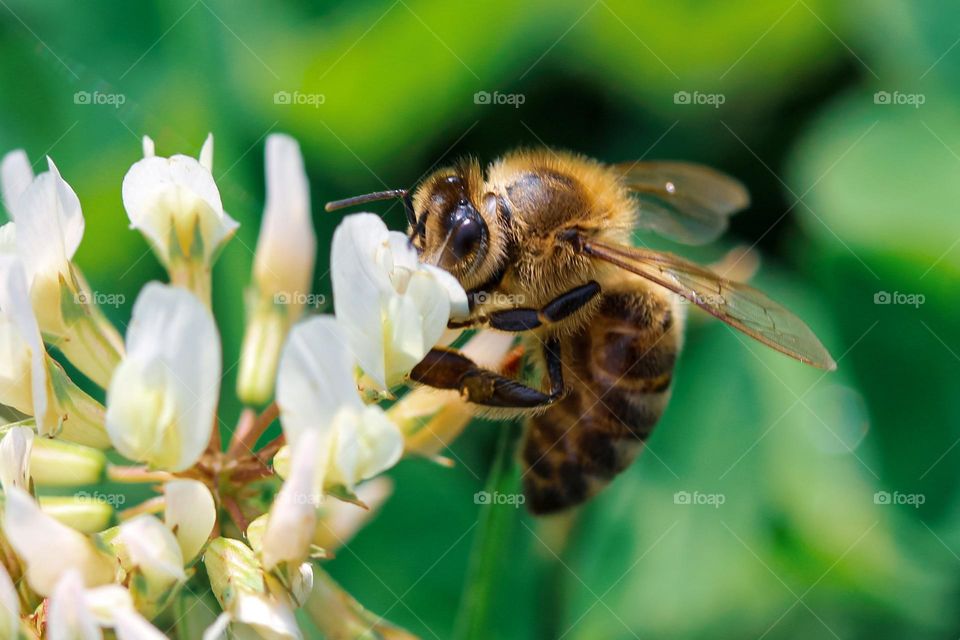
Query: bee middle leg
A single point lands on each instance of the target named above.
(526, 318)
(449, 369)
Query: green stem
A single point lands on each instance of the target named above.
(489, 553)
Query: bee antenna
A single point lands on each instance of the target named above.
(403, 194)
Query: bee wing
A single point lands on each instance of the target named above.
(689, 203)
(735, 303)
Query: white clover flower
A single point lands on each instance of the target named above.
(337, 440)
(287, 244)
(150, 556)
(129, 625)
(238, 583)
(8, 239)
(161, 403)
(24, 380)
(292, 521)
(15, 450)
(190, 513)
(30, 381)
(49, 229)
(69, 617)
(16, 364)
(75, 612)
(49, 548)
(16, 175)
(316, 392)
(151, 549)
(9, 606)
(393, 308)
(282, 268)
(175, 203)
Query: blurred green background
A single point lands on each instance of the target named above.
(855, 193)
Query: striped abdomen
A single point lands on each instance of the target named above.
(618, 371)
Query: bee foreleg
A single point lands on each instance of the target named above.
(564, 305)
(448, 369)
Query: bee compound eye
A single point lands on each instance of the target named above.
(466, 236)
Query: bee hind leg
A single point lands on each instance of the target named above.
(449, 369)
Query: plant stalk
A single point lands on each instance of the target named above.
(490, 548)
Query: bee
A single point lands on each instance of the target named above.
(541, 242)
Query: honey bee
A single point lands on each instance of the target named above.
(541, 242)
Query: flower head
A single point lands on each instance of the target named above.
(250, 515)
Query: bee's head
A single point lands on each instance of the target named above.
(453, 224)
(452, 228)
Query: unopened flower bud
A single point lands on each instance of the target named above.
(58, 463)
(282, 268)
(85, 512)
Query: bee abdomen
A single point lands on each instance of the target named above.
(618, 370)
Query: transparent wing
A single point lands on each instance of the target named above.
(689, 203)
(736, 304)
